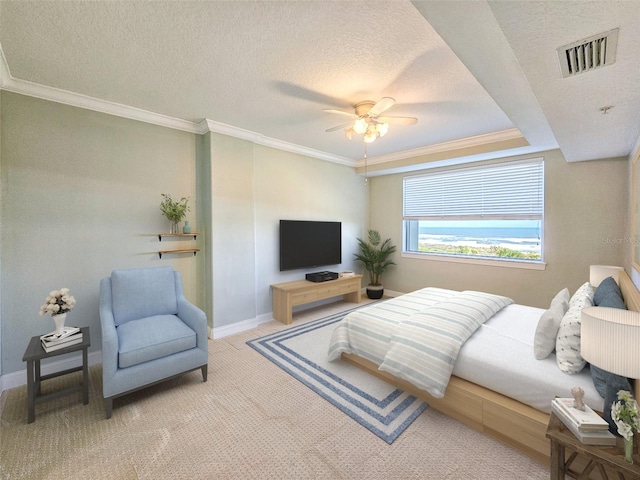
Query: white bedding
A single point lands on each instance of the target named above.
(498, 356)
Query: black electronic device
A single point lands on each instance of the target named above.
(321, 276)
(309, 244)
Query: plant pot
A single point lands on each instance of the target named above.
(375, 292)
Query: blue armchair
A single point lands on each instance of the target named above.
(150, 332)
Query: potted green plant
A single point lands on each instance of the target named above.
(374, 257)
(174, 210)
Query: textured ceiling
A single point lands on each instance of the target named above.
(464, 69)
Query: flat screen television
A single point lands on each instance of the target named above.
(309, 244)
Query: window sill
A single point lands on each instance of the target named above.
(526, 265)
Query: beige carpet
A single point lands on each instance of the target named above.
(249, 420)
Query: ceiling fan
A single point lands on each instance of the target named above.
(366, 119)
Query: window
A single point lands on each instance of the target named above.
(489, 212)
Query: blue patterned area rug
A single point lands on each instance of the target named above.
(302, 352)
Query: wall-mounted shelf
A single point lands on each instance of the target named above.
(185, 250)
(160, 235)
(180, 237)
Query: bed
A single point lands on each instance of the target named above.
(496, 386)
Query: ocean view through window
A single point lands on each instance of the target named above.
(484, 238)
(489, 212)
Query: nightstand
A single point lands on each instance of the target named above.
(583, 459)
(35, 353)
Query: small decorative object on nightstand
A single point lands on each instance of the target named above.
(57, 304)
(625, 414)
(578, 395)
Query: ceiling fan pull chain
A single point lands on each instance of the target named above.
(366, 179)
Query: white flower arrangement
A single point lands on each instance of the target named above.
(58, 302)
(625, 414)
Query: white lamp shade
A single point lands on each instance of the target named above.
(597, 273)
(610, 339)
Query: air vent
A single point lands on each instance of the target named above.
(589, 54)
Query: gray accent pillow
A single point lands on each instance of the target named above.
(607, 287)
(608, 384)
(613, 300)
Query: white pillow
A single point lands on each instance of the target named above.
(584, 294)
(568, 355)
(563, 298)
(544, 341)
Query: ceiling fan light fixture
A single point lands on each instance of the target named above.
(382, 129)
(370, 135)
(367, 120)
(348, 132)
(360, 125)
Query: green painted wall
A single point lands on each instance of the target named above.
(81, 194)
(80, 197)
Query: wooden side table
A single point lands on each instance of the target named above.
(35, 353)
(584, 461)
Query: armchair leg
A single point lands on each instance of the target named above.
(108, 406)
(204, 373)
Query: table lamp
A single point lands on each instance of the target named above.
(610, 339)
(597, 273)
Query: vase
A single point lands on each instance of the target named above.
(174, 227)
(187, 227)
(628, 449)
(59, 321)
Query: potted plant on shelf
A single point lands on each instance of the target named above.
(374, 257)
(174, 210)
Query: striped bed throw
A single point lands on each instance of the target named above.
(424, 347)
(367, 332)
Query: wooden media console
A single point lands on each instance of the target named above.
(290, 294)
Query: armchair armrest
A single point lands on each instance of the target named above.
(109, 334)
(195, 318)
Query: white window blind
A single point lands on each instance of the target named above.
(500, 191)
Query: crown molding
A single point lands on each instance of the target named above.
(23, 87)
(461, 144)
(207, 125)
(10, 84)
(66, 97)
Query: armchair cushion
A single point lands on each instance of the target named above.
(152, 337)
(155, 285)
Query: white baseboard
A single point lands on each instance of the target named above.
(392, 293)
(239, 327)
(19, 378)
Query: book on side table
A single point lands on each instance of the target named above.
(587, 426)
(55, 341)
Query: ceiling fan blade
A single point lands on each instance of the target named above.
(383, 104)
(398, 120)
(333, 129)
(340, 112)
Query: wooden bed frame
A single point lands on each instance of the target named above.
(518, 425)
